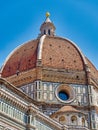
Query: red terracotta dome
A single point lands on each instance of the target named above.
(48, 51)
(54, 52)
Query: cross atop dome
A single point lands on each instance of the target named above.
(47, 28)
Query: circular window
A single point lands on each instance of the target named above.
(65, 94)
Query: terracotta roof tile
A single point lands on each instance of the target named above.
(67, 109)
(22, 59)
(60, 53)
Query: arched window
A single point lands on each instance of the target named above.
(62, 119)
(83, 122)
(74, 120)
(44, 31)
(49, 31)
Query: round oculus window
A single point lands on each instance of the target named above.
(63, 95)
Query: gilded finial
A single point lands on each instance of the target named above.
(47, 14)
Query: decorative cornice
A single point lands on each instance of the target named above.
(13, 100)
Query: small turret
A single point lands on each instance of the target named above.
(47, 27)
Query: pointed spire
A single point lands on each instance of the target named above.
(47, 27)
(48, 20)
(47, 17)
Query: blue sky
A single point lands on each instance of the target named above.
(76, 20)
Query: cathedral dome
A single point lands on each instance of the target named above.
(54, 52)
(48, 52)
(53, 72)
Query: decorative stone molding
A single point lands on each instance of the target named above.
(67, 91)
